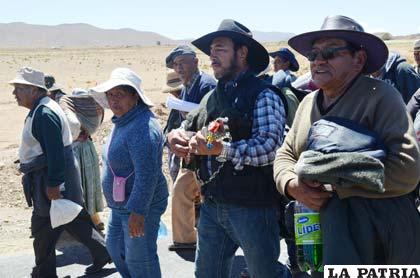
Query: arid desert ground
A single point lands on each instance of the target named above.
(80, 68)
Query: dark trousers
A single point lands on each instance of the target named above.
(371, 231)
(45, 239)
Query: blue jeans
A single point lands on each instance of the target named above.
(223, 228)
(135, 257)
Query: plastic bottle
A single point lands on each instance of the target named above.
(308, 238)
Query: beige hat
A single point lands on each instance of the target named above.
(119, 76)
(29, 76)
(416, 45)
(173, 82)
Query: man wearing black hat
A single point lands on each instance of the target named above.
(359, 226)
(239, 208)
(284, 62)
(195, 84)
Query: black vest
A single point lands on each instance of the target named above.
(251, 186)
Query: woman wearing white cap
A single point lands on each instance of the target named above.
(133, 182)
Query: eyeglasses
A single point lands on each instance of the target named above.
(326, 53)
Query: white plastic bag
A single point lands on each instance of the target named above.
(63, 211)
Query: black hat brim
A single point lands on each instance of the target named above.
(257, 55)
(376, 49)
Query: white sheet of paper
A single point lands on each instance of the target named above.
(180, 105)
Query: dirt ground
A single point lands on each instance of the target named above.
(79, 68)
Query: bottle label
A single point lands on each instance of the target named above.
(307, 228)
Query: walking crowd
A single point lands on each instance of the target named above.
(342, 139)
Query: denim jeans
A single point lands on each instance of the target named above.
(223, 228)
(135, 257)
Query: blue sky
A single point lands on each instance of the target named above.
(190, 19)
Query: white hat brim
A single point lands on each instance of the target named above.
(24, 82)
(98, 92)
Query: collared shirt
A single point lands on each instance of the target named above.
(267, 134)
(200, 84)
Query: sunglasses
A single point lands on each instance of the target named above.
(326, 53)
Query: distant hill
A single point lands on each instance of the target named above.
(271, 36)
(408, 37)
(387, 36)
(22, 35)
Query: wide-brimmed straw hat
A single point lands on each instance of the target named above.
(285, 53)
(29, 76)
(173, 82)
(119, 77)
(345, 28)
(257, 54)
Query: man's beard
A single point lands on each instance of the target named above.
(229, 73)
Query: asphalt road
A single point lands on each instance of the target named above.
(73, 258)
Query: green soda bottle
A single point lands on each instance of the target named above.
(308, 238)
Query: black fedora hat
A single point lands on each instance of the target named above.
(257, 55)
(345, 28)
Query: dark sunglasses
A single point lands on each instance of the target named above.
(326, 53)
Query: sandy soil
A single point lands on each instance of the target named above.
(74, 68)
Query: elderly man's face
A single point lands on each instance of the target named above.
(185, 66)
(417, 57)
(332, 73)
(25, 95)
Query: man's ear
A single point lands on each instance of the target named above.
(360, 59)
(243, 53)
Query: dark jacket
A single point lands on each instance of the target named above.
(35, 182)
(201, 86)
(333, 134)
(401, 75)
(413, 106)
(251, 186)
